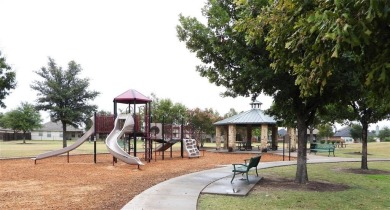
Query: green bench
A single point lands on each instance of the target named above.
(322, 148)
(244, 168)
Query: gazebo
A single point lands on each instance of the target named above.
(236, 131)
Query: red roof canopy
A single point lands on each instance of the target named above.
(132, 96)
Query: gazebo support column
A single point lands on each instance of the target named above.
(218, 137)
(264, 137)
(231, 138)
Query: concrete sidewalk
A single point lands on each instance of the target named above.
(182, 192)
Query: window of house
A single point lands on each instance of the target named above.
(49, 134)
(61, 135)
(40, 134)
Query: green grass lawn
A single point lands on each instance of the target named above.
(363, 191)
(375, 150)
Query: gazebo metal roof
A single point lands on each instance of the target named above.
(132, 96)
(253, 116)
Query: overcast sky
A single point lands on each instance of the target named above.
(120, 45)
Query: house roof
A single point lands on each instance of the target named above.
(132, 96)
(282, 132)
(57, 126)
(343, 132)
(254, 116)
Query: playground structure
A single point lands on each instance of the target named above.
(133, 125)
(166, 135)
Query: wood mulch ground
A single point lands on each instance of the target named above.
(81, 184)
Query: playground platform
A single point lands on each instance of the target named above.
(183, 192)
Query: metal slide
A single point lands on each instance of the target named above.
(69, 148)
(116, 133)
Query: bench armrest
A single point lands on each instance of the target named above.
(237, 164)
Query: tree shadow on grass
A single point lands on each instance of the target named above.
(363, 171)
(272, 183)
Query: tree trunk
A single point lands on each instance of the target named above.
(364, 164)
(24, 137)
(64, 135)
(301, 176)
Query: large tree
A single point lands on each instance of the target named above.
(7, 80)
(352, 38)
(25, 118)
(64, 95)
(234, 47)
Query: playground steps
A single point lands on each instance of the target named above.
(192, 149)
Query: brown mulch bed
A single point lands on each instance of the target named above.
(80, 184)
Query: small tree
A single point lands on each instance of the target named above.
(25, 118)
(64, 95)
(325, 131)
(356, 131)
(202, 121)
(7, 80)
(384, 134)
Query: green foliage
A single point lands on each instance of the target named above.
(7, 80)
(167, 111)
(384, 134)
(202, 122)
(356, 131)
(299, 52)
(25, 118)
(231, 113)
(325, 130)
(64, 95)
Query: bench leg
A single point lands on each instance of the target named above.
(234, 174)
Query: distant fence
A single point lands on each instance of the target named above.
(14, 136)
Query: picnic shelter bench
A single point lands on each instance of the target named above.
(244, 168)
(322, 148)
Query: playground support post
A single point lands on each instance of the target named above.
(289, 148)
(93, 137)
(182, 138)
(134, 133)
(94, 148)
(284, 139)
(163, 136)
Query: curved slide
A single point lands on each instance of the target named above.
(69, 148)
(116, 133)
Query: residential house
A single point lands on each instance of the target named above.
(344, 133)
(53, 131)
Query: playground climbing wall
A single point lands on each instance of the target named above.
(190, 145)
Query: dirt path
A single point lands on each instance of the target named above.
(55, 184)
